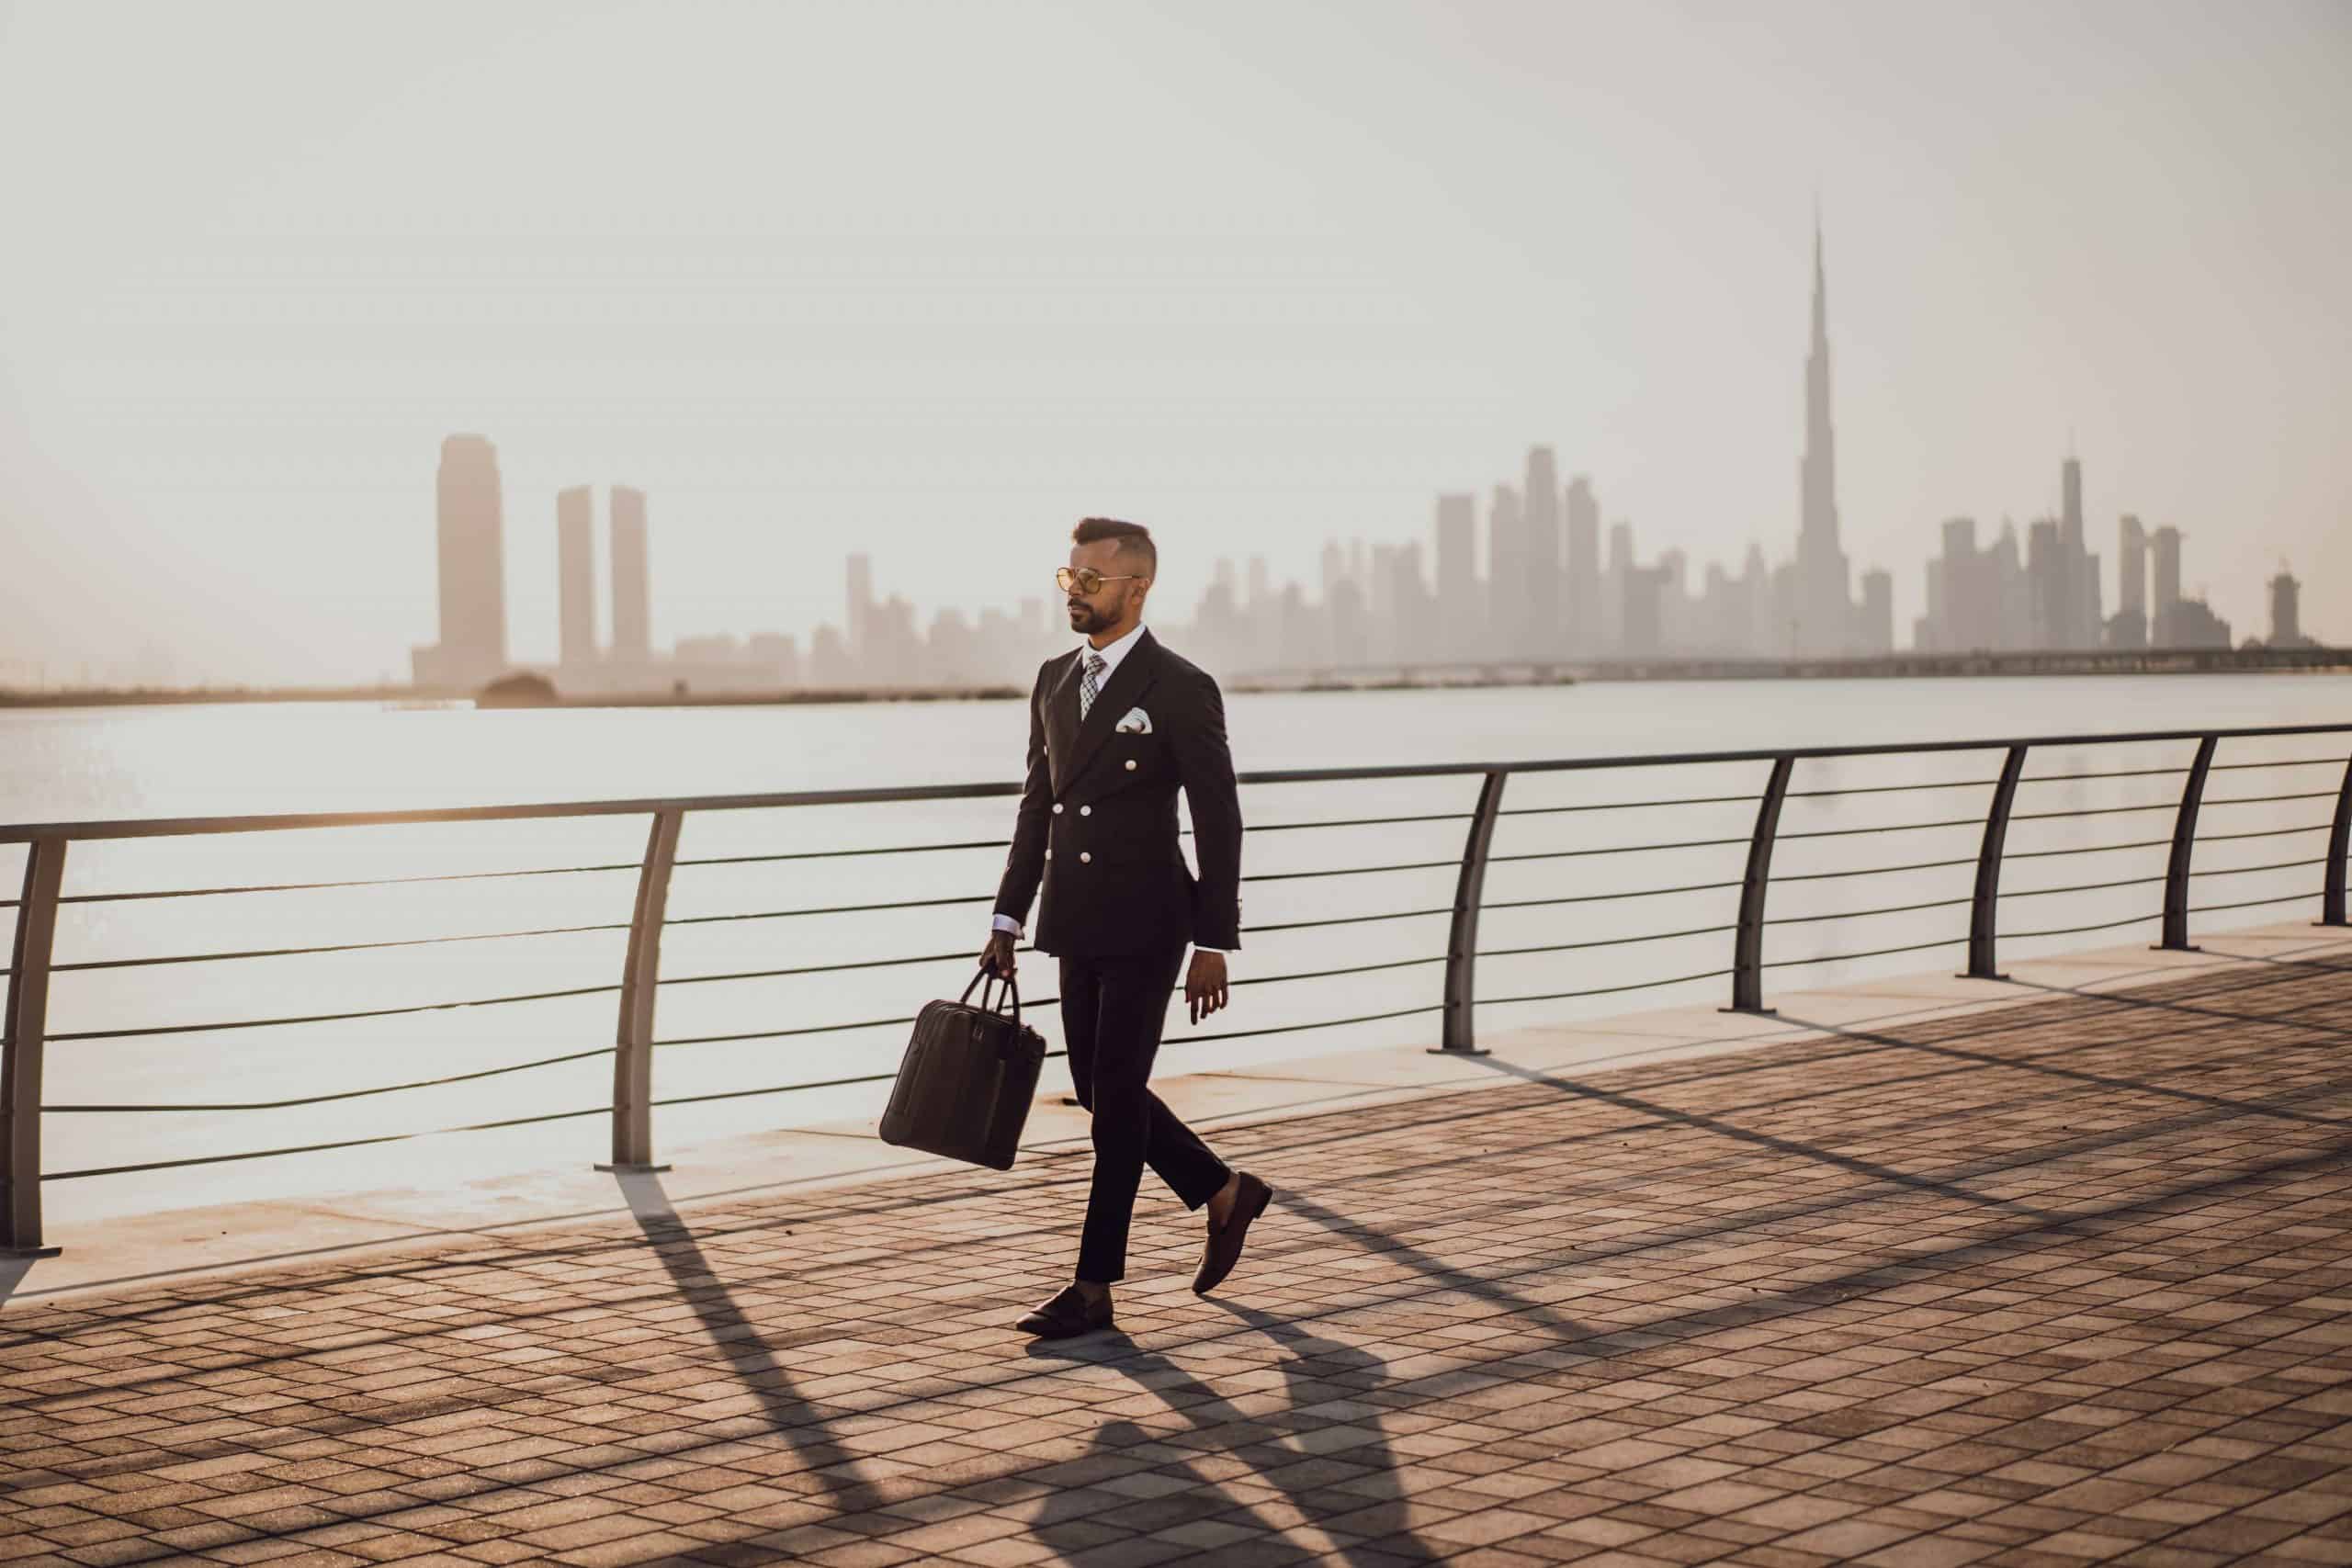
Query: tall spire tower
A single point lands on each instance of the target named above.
(1823, 614)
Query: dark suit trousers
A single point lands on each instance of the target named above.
(1112, 1010)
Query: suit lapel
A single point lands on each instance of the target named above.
(1061, 723)
(1128, 681)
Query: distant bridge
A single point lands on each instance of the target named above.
(1558, 672)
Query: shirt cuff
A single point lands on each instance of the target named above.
(1005, 923)
(1204, 947)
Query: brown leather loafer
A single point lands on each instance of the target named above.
(1068, 1315)
(1224, 1248)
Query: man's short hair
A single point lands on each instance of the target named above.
(1135, 541)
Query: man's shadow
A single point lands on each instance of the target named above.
(1347, 1504)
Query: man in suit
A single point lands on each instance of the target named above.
(1116, 726)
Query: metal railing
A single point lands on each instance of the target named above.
(27, 1032)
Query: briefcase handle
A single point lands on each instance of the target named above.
(989, 1003)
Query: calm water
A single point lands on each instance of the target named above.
(106, 763)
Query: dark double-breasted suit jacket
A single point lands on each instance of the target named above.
(1097, 826)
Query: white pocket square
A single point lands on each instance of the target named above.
(1137, 722)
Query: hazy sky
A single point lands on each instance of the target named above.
(936, 279)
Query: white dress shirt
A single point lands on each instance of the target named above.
(1110, 653)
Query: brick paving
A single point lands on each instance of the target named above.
(2060, 1284)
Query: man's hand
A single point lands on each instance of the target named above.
(997, 957)
(1204, 985)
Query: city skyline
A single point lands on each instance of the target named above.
(1329, 263)
(1546, 595)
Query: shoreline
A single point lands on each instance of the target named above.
(1367, 677)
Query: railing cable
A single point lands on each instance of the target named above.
(1865, 914)
(342, 1094)
(1873, 953)
(332, 1017)
(1348, 920)
(1601, 942)
(1604, 990)
(312, 886)
(1605, 897)
(2096, 926)
(333, 947)
(2254, 902)
(2250, 870)
(2108, 774)
(322, 1148)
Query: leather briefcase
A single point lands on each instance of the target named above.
(967, 1077)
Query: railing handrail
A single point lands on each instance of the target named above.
(172, 826)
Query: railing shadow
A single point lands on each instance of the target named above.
(738, 1340)
(2043, 1066)
(2310, 965)
(1375, 1240)
(1853, 1164)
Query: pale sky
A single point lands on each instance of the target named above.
(935, 280)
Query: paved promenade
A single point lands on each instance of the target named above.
(2064, 1282)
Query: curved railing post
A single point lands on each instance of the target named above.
(1462, 943)
(641, 978)
(2184, 847)
(1748, 950)
(2339, 841)
(20, 1051)
(1984, 913)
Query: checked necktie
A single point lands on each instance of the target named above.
(1090, 686)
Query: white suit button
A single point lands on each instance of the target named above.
(1057, 808)
(1049, 854)
(1086, 811)
(1131, 764)
(1085, 857)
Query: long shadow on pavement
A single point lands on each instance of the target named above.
(1342, 1499)
(737, 1339)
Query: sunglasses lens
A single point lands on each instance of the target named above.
(1084, 579)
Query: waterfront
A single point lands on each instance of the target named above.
(84, 765)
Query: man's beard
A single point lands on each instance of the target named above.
(1084, 617)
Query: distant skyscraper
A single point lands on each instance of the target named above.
(1825, 607)
(470, 536)
(2163, 611)
(2045, 543)
(575, 557)
(1643, 589)
(2075, 587)
(2286, 611)
(1878, 611)
(1612, 594)
(2130, 627)
(1541, 634)
(1505, 574)
(1582, 567)
(1457, 575)
(632, 586)
(1962, 613)
(860, 609)
(1335, 569)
